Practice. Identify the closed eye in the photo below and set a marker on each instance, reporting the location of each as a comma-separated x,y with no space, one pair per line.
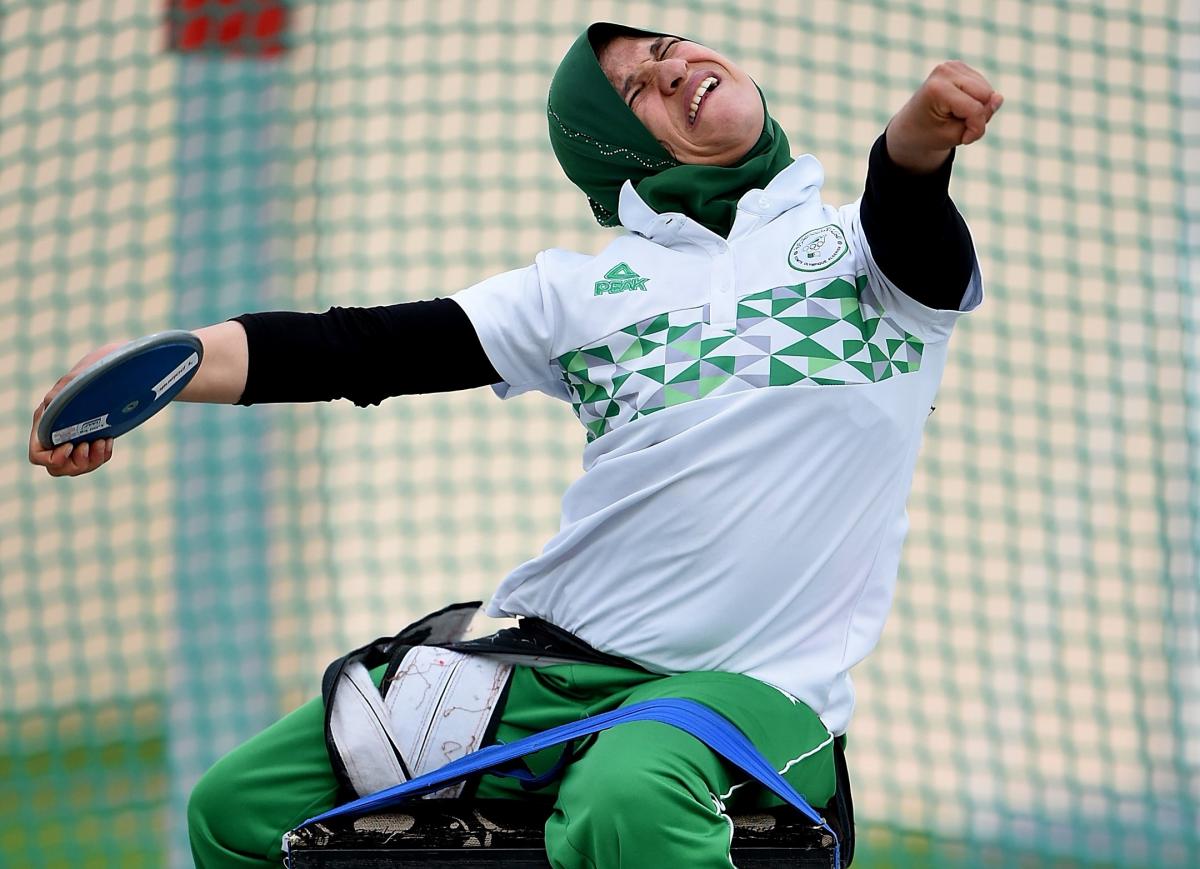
662,55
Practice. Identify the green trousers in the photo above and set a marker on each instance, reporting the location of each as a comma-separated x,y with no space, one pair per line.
642,794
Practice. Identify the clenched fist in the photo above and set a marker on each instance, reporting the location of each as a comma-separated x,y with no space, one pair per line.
953,107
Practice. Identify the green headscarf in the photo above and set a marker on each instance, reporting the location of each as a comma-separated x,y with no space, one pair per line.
600,143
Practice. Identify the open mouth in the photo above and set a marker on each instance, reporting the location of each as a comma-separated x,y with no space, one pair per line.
706,87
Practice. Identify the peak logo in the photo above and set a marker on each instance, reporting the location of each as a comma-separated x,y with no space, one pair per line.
620,279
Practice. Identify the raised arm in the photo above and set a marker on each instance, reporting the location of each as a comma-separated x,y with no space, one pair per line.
917,236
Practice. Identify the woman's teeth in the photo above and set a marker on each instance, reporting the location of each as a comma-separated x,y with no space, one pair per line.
705,85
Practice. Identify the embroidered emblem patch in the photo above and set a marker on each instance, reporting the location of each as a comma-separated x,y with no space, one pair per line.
620,279
818,249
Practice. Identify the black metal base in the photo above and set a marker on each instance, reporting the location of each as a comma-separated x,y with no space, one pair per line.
480,834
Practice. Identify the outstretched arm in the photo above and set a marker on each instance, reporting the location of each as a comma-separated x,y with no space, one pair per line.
365,354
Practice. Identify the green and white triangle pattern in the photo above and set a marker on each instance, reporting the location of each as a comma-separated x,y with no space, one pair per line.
821,333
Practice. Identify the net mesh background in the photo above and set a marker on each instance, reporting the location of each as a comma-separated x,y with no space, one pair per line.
1036,696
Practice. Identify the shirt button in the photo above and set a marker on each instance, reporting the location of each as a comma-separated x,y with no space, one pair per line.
764,202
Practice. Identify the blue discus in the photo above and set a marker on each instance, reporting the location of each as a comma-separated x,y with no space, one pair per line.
122,390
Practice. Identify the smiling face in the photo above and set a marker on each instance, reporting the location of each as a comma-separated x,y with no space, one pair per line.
700,105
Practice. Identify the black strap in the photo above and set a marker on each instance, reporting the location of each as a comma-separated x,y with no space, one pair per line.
532,638
535,638
842,807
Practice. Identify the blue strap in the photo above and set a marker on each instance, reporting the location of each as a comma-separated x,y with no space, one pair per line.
714,730
528,780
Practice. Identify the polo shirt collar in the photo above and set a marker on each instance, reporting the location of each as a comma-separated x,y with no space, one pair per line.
799,182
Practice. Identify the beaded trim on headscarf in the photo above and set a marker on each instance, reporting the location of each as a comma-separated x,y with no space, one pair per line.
648,162
603,215
609,150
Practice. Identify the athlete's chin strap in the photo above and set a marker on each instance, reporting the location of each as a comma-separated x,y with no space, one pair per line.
714,730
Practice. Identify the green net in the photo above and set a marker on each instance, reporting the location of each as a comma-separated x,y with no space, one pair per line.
1036,697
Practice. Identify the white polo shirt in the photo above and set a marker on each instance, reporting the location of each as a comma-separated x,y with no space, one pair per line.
753,407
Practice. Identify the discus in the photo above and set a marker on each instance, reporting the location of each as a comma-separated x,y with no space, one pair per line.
122,390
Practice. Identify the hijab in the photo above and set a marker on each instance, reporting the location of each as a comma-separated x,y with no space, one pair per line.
600,143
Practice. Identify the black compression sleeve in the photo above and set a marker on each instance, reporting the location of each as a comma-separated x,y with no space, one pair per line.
364,354
917,236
